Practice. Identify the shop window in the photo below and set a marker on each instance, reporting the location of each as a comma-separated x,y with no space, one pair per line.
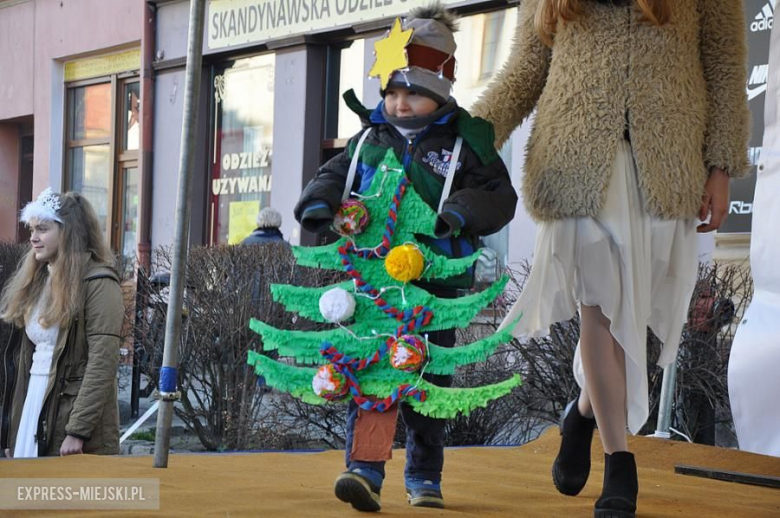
242,138
345,70
25,176
102,137
484,42
351,76
492,36
127,195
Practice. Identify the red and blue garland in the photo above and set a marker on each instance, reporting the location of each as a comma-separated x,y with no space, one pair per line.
411,319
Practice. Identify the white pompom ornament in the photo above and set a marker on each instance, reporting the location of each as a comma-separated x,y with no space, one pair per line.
337,305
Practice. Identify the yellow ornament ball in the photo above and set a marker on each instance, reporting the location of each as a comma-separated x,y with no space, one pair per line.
404,263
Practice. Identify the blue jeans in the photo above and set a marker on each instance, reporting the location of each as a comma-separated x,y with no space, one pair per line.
424,435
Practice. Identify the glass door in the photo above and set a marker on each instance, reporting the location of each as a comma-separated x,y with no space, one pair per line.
242,139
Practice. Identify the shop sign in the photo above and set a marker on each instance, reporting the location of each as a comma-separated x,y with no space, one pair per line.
238,22
246,160
241,184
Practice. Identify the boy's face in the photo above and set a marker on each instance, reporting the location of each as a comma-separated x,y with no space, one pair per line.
403,102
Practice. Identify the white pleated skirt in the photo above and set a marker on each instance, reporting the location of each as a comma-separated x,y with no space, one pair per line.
26,445
640,270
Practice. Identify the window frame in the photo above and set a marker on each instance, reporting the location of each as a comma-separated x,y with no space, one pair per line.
119,158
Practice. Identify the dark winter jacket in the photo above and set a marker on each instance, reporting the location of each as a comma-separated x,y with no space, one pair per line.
261,236
482,199
81,398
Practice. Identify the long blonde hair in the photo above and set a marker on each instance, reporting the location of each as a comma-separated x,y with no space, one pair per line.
550,12
80,234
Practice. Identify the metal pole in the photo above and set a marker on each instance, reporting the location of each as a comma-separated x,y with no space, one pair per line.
665,403
146,155
135,380
168,374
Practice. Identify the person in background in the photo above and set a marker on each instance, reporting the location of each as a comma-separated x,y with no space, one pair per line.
268,222
641,121
61,367
754,364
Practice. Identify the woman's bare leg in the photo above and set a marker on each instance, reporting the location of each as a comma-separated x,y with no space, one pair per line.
583,404
603,361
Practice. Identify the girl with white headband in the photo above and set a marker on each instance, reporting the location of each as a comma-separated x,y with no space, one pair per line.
66,306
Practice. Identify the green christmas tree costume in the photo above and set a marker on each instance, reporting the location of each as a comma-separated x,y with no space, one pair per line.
359,355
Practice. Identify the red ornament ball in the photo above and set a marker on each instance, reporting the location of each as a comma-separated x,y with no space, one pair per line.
329,384
352,218
408,353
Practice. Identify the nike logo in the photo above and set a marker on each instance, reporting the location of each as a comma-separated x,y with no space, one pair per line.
752,93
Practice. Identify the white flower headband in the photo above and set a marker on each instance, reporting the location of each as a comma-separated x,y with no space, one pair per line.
45,207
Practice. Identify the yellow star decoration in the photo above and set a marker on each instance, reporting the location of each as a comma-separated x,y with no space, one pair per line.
391,53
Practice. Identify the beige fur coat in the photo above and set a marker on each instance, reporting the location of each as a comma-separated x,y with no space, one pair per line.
682,87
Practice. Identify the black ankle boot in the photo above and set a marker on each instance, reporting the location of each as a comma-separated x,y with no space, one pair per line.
572,465
618,497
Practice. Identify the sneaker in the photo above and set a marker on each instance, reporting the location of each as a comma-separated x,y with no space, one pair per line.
424,493
356,488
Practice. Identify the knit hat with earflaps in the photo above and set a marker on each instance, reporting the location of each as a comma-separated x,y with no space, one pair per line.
431,53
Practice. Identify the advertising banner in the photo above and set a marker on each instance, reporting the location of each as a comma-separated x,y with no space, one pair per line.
759,20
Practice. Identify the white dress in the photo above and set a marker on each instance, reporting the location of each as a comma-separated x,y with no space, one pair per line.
754,363
640,270
44,338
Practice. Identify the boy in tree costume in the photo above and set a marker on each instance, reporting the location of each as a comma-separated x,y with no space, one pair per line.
409,195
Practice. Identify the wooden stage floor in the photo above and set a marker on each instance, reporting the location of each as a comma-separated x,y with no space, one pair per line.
504,481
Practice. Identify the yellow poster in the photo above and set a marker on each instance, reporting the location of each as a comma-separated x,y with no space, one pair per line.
103,65
243,216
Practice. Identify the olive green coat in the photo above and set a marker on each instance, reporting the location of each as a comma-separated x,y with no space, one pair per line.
81,398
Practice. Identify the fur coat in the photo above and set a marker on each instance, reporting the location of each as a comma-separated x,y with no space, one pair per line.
679,89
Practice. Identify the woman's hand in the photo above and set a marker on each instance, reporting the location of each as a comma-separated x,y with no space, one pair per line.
71,446
7,453
715,202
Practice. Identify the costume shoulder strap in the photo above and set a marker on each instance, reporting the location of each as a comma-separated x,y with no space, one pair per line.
353,164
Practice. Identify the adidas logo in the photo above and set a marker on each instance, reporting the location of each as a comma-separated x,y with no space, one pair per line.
757,82
765,19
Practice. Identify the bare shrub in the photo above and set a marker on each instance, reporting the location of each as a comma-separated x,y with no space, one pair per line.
701,402
11,255
701,397
226,287
223,405
544,365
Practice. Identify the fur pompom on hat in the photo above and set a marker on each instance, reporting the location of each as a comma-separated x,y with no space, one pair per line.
435,11
269,218
431,53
